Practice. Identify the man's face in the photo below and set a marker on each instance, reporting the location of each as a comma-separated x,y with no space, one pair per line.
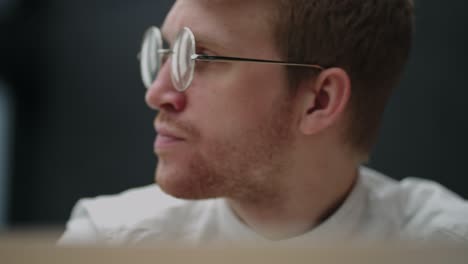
230,133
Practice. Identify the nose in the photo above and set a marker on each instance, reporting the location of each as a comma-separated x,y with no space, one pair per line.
162,95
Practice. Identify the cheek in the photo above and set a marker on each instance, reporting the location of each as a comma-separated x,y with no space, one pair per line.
240,98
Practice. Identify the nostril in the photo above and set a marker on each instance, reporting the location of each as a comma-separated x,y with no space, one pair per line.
173,101
180,102
169,108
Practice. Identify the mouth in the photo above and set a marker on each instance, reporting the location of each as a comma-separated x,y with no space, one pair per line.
166,139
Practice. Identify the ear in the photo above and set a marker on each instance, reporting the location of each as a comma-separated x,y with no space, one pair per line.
325,99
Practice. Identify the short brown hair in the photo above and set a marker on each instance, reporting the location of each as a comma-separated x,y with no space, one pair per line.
369,39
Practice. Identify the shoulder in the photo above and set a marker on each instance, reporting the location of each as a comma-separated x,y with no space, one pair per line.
435,211
126,208
109,218
426,209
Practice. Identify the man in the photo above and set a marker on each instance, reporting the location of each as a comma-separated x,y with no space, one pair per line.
267,109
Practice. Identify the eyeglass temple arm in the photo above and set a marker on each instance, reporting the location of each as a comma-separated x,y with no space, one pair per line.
230,59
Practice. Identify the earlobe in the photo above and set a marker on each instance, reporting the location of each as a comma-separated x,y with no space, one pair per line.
325,100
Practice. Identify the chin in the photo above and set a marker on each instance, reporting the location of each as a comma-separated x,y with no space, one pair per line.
183,183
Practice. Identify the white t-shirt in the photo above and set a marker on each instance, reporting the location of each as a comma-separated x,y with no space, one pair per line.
378,208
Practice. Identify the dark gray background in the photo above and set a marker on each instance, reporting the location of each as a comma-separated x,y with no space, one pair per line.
82,129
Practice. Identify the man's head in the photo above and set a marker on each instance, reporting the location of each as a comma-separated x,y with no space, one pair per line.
242,129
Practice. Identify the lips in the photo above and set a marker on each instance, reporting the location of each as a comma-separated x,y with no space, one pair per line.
166,138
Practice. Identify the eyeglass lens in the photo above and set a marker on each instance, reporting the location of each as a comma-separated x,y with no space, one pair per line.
182,64
150,58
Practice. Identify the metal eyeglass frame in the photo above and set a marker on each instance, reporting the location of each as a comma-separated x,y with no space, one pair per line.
209,58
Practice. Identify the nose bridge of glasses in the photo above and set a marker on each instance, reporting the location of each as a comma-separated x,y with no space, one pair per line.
165,51
163,55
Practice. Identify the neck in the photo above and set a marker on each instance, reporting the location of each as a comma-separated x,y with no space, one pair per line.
306,197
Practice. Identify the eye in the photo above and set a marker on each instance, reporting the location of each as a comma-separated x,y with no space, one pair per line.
203,51
202,65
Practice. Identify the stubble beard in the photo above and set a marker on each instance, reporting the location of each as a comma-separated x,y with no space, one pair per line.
248,168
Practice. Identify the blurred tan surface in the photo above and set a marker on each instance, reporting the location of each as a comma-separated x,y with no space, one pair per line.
40,248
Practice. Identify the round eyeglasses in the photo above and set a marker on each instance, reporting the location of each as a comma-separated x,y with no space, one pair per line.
183,53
